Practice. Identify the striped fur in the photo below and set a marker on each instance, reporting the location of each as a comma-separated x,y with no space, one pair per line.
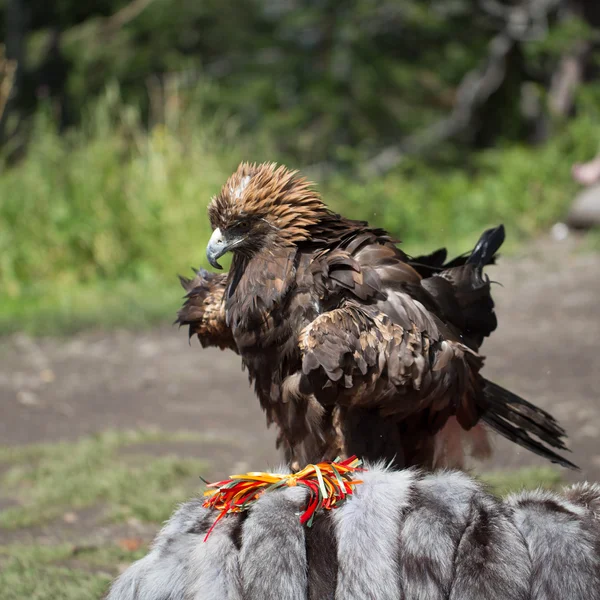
403,535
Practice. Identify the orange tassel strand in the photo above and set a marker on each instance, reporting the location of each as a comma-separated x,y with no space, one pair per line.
328,484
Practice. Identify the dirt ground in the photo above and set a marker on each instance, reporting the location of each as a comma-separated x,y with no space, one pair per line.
544,349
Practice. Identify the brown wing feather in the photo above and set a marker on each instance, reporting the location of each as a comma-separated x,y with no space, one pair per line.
357,356
363,267
383,337
204,310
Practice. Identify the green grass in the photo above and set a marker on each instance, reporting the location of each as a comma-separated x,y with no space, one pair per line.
527,478
48,480
95,224
58,310
39,572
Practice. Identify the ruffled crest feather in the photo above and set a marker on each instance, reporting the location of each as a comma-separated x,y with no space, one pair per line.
277,195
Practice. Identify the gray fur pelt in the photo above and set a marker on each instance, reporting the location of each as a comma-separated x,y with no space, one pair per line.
403,535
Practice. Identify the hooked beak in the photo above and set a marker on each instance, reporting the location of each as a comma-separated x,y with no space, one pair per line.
219,244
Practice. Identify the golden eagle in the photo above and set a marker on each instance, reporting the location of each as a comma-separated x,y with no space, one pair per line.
353,346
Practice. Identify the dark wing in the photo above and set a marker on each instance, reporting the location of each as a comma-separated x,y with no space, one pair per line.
471,287
204,310
356,356
460,289
405,344
363,268
424,365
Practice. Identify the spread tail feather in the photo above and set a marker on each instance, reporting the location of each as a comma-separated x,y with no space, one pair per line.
519,420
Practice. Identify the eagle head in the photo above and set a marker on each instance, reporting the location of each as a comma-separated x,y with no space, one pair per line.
261,206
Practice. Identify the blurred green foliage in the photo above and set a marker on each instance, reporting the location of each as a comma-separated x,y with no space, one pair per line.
111,206
325,80
103,187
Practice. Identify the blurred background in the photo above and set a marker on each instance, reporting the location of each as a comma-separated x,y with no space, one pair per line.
120,119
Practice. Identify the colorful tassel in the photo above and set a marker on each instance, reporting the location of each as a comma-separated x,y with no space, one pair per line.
328,484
